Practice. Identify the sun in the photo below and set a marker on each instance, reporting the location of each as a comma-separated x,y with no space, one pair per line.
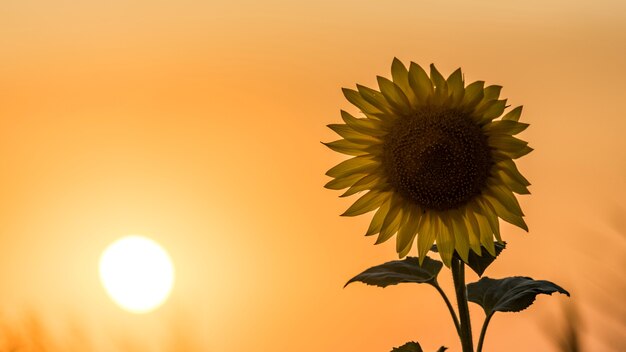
137,273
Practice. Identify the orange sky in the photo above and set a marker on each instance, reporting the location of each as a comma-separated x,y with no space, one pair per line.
198,124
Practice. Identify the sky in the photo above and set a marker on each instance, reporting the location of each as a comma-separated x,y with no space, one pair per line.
198,124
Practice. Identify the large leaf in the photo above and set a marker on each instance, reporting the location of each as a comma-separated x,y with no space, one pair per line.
408,347
400,271
414,347
479,263
511,294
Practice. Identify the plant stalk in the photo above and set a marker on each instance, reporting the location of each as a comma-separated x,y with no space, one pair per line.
458,276
450,308
483,332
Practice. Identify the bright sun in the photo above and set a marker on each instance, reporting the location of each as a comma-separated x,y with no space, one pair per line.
137,273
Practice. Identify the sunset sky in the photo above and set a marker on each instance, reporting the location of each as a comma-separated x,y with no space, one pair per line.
198,124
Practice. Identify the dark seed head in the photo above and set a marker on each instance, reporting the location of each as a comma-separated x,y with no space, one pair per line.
438,158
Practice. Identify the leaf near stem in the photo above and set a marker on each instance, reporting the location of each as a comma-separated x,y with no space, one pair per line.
511,294
395,272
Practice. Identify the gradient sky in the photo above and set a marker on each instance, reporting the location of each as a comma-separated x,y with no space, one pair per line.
197,123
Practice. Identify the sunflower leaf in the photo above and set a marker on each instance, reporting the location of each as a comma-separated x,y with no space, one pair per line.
511,294
414,347
396,272
476,262
408,347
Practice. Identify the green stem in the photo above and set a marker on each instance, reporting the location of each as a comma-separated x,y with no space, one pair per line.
483,331
452,312
458,275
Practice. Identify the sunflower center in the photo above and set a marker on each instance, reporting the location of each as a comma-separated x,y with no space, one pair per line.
438,158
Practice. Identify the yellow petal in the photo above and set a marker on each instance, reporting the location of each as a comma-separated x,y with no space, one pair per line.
371,127
441,86
514,114
350,134
505,143
420,83
507,127
461,235
377,99
407,232
394,95
368,202
359,164
473,229
456,87
343,182
392,222
510,168
407,249
445,242
373,182
400,76
492,92
427,233
502,177
379,217
346,147
473,95
486,236
357,100
490,214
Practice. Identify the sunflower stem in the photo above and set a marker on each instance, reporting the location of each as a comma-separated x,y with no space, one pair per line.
455,319
458,276
483,331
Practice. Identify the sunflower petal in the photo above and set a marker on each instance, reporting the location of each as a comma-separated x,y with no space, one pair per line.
445,241
491,216
355,98
461,236
502,177
514,114
394,95
505,198
368,202
400,76
364,126
346,147
372,181
505,214
359,164
506,127
406,234
473,95
473,230
377,99
509,167
486,236
343,182
392,222
403,253
455,86
441,86
492,92
379,217
420,83
494,110
427,235
350,134
506,143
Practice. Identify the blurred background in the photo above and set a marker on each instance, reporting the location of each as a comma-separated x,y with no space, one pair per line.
198,124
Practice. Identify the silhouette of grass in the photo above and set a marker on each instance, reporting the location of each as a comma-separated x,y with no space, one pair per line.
30,334
607,287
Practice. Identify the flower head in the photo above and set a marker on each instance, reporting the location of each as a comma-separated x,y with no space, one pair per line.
436,159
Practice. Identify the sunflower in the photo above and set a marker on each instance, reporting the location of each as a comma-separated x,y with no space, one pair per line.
435,158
